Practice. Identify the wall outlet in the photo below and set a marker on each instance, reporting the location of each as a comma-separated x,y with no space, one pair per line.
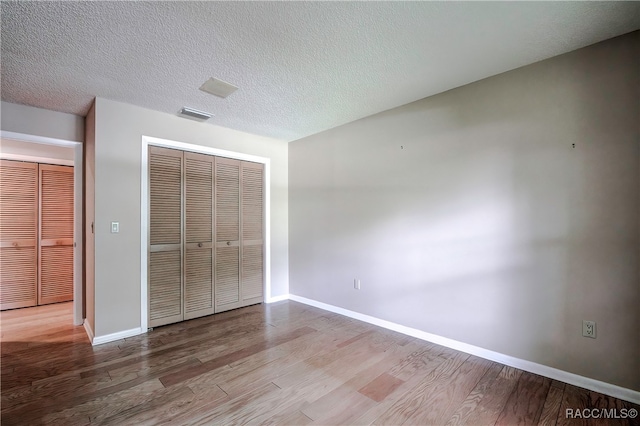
356,284
589,329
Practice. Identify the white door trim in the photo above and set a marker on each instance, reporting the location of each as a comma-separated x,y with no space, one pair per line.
144,211
77,209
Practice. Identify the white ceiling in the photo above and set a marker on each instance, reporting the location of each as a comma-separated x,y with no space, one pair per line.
302,67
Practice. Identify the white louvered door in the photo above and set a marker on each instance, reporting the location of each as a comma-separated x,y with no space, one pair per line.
227,228
165,236
55,259
252,193
18,234
199,187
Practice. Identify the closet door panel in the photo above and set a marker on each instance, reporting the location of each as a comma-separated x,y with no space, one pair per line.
199,187
252,202
227,278
18,234
165,292
252,273
198,283
18,277
227,200
227,229
55,282
252,190
165,236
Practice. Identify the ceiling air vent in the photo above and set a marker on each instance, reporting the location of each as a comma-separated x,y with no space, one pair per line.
219,88
194,114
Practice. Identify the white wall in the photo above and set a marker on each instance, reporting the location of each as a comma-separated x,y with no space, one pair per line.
41,122
470,215
118,132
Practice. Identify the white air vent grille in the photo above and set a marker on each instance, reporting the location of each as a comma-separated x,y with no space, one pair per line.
219,88
195,114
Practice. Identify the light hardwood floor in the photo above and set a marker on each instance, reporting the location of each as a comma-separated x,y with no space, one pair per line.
284,364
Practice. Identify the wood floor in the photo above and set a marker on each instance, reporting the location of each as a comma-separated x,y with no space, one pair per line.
281,364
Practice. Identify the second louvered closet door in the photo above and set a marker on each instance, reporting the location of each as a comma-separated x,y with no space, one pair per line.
198,291
55,282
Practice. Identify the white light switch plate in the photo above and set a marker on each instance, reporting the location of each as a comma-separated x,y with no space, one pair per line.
115,227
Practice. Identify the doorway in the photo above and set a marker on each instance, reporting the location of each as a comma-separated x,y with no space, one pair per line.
38,149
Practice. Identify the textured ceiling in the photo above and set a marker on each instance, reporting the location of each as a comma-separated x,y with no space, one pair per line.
302,67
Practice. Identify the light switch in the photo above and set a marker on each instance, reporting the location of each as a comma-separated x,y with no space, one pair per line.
115,227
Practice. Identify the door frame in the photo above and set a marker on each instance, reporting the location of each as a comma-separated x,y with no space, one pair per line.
144,211
78,184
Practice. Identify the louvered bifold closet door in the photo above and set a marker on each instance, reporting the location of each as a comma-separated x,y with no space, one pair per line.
165,236
18,234
227,230
252,272
198,286
55,273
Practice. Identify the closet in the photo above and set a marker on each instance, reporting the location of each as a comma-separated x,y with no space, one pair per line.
36,234
206,244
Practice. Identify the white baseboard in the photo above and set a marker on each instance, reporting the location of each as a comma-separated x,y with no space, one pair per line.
532,367
89,330
99,340
277,298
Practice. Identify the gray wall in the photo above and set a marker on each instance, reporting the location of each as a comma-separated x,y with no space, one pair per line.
41,122
118,132
470,215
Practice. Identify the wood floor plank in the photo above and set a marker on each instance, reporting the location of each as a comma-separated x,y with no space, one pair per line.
151,411
573,398
185,374
486,401
340,406
405,407
206,398
440,400
526,401
39,408
99,408
380,387
230,412
294,417
413,373
552,403
244,375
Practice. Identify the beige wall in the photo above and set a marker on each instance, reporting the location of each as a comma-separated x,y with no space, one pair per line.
470,215
118,131
41,122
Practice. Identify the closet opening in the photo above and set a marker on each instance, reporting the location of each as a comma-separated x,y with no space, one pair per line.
205,231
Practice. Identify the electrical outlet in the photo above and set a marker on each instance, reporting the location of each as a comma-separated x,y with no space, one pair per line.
589,329
356,284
